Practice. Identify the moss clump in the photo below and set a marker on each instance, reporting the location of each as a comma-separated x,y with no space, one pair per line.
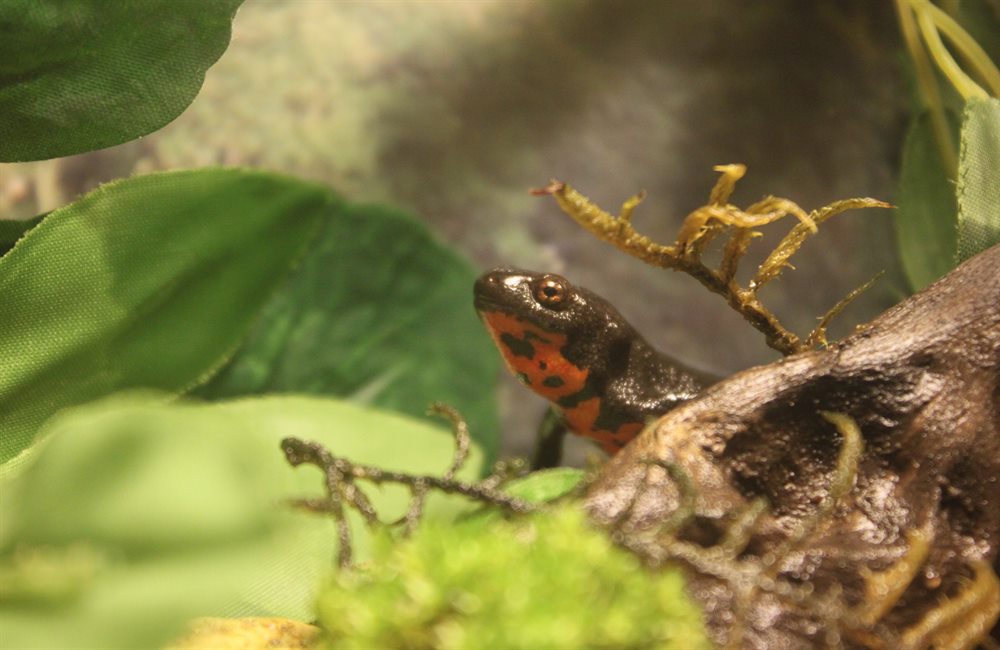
545,581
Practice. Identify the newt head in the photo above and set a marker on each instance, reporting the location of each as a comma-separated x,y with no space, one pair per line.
573,348
548,302
551,333
539,317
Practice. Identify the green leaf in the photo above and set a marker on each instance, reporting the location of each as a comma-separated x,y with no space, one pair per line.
378,311
135,515
925,219
543,486
978,191
78,75
548,581
546,485
147,282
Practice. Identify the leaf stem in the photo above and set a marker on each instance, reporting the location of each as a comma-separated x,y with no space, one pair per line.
973,53
928,85
932,38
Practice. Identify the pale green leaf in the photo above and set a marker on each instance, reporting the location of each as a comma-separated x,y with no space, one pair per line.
546,485
135,515
978,189
925,219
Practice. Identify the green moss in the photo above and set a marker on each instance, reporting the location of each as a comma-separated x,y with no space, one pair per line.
549,581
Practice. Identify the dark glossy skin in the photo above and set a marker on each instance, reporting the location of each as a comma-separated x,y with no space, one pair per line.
574,349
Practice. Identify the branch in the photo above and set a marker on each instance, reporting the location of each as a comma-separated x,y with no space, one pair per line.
703,225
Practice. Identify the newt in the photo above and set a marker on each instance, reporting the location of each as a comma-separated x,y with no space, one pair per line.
572,347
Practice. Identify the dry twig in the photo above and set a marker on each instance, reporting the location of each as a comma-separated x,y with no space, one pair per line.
341,474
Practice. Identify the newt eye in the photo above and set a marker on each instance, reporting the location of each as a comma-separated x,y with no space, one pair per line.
551,292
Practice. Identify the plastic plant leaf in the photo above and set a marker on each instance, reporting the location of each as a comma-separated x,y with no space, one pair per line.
78,75
925,219
147,282
546,485
135,515
380,312
978,191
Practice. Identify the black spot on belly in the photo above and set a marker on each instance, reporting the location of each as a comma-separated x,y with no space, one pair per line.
524,379
582,395
553,382
611,419
518,347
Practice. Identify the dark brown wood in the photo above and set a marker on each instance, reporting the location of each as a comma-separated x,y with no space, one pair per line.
922,381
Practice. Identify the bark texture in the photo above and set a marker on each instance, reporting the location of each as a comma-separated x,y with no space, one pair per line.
922,381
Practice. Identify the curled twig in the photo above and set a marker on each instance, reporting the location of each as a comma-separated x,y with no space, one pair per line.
302,451
462,439
420,487
340,475
504,471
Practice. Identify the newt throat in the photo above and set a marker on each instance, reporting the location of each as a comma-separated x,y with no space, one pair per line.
537,359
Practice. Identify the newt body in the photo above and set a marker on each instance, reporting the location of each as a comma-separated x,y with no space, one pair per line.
573,348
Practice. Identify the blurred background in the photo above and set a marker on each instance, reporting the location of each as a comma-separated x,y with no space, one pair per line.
453,110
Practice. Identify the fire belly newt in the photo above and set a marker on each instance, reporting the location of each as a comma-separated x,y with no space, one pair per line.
573,348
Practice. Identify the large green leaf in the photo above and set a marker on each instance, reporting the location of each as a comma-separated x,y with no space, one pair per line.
135,515
11,230
147,282
378,311
978,191
77,75
925,219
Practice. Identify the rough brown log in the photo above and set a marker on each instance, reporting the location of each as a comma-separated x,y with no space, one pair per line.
922,381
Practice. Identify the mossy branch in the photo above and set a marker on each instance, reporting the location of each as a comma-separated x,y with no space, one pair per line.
708,222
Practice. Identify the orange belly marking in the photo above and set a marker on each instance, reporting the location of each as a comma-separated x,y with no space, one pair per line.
546,371
535,356
582,418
